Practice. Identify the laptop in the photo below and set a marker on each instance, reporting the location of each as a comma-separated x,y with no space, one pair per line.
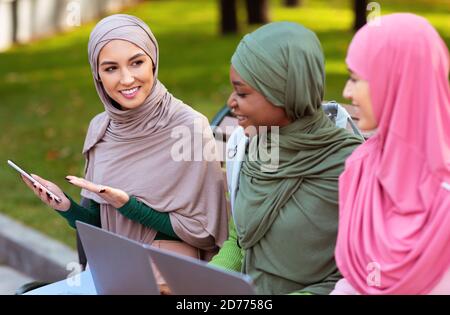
188,276
118,265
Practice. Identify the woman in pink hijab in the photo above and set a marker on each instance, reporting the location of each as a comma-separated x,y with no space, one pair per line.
394,222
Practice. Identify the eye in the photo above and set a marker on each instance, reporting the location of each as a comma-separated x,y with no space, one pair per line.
352,79
242,95
110,69
137,63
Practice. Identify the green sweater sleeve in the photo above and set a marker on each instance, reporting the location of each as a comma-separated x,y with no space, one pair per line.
230,255
76,212
140,212
133,210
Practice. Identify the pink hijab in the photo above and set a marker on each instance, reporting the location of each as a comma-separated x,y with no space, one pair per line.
394,221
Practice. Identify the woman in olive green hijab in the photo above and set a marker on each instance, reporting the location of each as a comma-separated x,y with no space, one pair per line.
285,211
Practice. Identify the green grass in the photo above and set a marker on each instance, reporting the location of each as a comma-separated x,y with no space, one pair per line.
47,97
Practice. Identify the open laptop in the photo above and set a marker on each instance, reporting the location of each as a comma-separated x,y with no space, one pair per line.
118,265
186,276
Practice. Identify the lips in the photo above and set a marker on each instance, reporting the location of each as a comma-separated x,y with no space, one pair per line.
242,120
130,93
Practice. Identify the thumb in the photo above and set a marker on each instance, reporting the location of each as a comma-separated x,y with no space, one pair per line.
42,181
39,179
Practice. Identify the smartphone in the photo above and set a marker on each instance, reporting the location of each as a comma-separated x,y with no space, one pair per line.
21,171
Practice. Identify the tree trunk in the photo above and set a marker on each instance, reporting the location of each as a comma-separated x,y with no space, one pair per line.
360,13
257,11
15,21
292,3
228,17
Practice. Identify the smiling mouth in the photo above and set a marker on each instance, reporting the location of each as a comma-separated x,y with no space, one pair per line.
130,93
240,118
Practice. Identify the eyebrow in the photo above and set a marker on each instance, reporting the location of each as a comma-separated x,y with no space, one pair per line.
113,63
239,83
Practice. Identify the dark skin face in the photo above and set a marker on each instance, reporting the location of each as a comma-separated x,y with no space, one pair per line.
251,107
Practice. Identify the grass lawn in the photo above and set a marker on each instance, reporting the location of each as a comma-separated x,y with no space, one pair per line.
47,96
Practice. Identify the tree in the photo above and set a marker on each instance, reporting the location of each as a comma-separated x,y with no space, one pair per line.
228,17
292,3
14,21
359,7
257,11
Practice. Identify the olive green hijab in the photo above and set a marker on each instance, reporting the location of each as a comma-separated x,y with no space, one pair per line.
286,220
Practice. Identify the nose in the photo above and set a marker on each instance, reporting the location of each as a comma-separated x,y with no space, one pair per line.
231,102
126,77
348,90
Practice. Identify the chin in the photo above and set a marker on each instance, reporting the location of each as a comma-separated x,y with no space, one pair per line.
131,105
364,126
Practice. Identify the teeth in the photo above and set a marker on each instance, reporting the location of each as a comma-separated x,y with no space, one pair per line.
131,91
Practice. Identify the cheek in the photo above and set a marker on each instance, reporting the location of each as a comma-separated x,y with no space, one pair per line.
356,93
147,87
361,91
108,82
246,108
146,74
367,116
363,98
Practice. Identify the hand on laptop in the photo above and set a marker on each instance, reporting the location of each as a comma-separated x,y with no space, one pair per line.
64,205
115,197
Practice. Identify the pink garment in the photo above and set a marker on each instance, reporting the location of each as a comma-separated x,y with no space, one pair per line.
443,287
342,287
394,195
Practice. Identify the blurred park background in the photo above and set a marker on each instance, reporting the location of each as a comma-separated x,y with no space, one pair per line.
47,96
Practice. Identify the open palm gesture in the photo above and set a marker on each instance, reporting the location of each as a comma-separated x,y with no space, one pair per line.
115,197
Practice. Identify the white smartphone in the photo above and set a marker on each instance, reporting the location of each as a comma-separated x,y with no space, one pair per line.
21,171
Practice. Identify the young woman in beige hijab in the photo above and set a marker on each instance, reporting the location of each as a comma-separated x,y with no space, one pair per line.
134,184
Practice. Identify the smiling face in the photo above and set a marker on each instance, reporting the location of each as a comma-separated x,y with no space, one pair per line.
357,90
251,108
126,73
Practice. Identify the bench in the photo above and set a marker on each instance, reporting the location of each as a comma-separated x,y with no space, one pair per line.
224,123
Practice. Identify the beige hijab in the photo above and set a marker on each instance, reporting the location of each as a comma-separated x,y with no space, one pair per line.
131,150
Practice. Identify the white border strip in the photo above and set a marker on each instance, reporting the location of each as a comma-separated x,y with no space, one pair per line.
446,185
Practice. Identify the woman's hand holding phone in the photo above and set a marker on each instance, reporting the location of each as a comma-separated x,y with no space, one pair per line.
38,190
